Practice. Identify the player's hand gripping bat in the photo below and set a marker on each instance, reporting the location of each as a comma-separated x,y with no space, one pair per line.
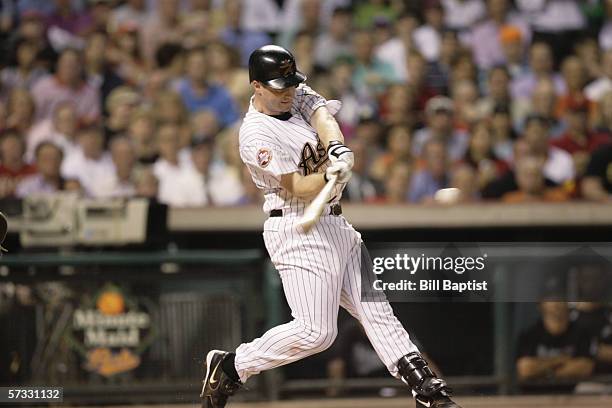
314,210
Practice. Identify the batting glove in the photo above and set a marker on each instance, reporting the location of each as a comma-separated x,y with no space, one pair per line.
338,152
340,169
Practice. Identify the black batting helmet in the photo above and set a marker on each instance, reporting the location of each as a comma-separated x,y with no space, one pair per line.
275,67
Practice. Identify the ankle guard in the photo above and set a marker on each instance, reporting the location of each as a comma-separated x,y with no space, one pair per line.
418,376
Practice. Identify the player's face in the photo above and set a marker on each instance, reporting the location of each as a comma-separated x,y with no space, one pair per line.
275,101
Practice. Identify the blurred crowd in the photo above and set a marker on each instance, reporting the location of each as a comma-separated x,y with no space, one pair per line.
505,100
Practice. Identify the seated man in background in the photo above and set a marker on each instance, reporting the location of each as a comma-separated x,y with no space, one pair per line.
48,178
531,184
592,313
555,348
597,182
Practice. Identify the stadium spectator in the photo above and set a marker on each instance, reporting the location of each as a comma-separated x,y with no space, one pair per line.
23,70
99,73
170,61
597,182
67,85
554,348
69,18
602,85
180,184
574,78
481,157
197,93
123,157
162,26
416,67
605,35
20,112
427,37
225,70
558,23
245,41
578,140
531,184
124,54
141,132
336,41
485,37
540,68
91,165
269,16
543,103
502,132
308,24
120,104
439,71
513,46
559,166
397,183
366,13
147,185
361,187
132,13
48,178
168,107
434,175
370,76
397,106
204,126
222,174
13,168
464,178
461,15
465,103
440,113
497,92
603,121
398,150
60,130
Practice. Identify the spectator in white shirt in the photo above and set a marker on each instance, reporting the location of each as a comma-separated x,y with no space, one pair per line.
598,88
605,34
60,130
90,164
124,159
395,51
485,37
558,22
180,185
427,38
461,15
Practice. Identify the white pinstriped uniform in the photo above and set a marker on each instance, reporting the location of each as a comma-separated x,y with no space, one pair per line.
320,271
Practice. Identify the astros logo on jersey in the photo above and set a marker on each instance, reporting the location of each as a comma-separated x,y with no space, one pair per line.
264,157
312,158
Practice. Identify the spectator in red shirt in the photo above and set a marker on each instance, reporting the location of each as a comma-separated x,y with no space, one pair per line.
578,140
12,167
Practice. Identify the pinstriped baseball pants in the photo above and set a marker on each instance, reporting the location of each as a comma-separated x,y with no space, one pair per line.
320,272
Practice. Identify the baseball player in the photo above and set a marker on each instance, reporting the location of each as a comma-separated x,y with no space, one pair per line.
291,144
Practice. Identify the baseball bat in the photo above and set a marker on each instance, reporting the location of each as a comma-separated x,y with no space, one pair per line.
314,210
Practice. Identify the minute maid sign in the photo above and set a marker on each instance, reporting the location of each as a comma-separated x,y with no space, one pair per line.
111,331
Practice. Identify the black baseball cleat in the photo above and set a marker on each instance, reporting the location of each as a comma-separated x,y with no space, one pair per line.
218,386
428,390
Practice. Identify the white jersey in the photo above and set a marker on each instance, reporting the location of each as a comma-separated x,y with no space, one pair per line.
271,147
320,271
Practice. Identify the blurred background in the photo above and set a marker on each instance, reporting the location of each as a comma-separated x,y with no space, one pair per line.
135,230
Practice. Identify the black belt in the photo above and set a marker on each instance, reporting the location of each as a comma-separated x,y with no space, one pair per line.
335,209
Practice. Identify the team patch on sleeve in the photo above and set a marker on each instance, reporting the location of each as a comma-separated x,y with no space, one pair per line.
264,157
